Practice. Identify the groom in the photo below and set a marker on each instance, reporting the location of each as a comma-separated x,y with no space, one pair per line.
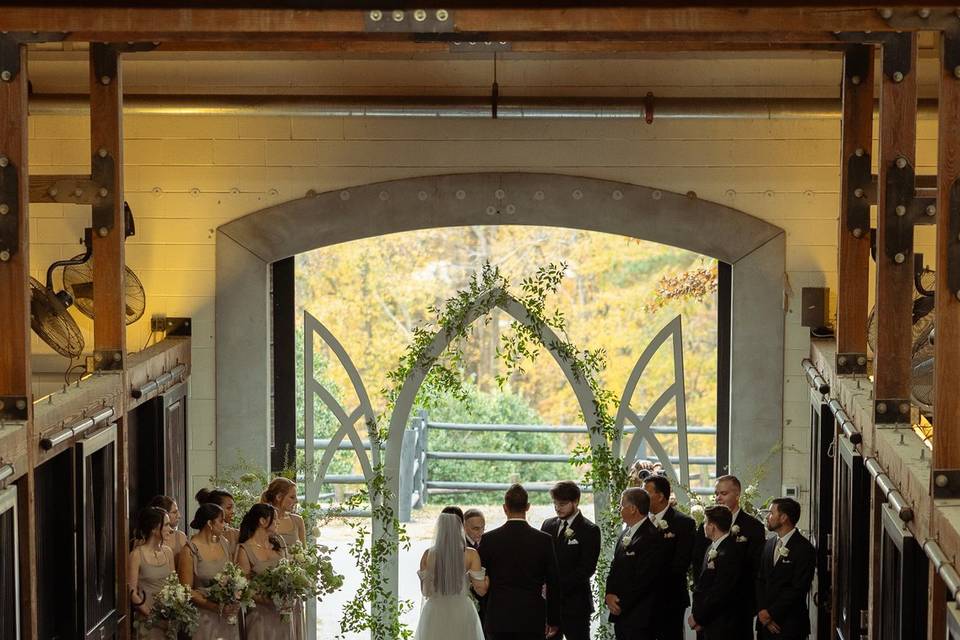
520,560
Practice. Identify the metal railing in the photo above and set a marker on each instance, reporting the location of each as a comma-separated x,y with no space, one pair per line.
416,485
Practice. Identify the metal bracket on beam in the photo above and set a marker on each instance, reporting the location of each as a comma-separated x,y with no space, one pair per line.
68,189
904,210
105,55
897,49
890,411
924,19
108,360
13,408
103,174
851,364
953,248
10,49
858,186
9,209
946,483
409,21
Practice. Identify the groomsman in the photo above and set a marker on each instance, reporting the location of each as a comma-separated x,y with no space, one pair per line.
639,560
786,571
678,531
747,531
520,562
577,543
716,599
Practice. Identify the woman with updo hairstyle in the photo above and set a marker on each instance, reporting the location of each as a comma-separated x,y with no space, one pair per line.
149,564
261,548
201,559
224,500
281,493
168,504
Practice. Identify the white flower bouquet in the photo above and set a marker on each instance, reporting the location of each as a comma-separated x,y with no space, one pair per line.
230,588
315,562
173,610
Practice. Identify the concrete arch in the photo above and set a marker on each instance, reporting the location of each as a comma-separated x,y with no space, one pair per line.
247,246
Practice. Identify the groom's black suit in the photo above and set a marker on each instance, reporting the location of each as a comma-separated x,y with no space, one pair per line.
577,553
635,574
520,560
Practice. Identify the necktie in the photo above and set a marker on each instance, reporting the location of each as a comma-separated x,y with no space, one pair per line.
777,550
563,530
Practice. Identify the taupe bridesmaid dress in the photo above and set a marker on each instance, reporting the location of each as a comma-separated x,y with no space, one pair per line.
264,622
150,581
212,625
291,538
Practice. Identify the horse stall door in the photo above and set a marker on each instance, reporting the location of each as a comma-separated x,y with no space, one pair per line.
145,453
903,581
822,436
9,571
96,534
56,549
175,445
852,546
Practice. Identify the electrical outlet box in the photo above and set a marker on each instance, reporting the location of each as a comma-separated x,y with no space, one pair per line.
158,323
791,491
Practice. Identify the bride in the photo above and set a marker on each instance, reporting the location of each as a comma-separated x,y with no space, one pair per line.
447,571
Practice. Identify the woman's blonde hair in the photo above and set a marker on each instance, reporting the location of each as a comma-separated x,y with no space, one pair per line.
277,487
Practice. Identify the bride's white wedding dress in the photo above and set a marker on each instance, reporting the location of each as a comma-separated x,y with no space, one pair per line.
448,617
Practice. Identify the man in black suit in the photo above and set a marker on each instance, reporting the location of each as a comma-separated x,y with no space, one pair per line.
786,572
748,532
678,531
577,544
520,561
639,562
716,599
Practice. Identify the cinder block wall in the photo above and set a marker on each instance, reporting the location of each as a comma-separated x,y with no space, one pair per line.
185,175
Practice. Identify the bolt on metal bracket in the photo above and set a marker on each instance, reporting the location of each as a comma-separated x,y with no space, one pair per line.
859,180
103,172
10,49
9,208
108,360
946,484
411,21
903,210
897,49
891,411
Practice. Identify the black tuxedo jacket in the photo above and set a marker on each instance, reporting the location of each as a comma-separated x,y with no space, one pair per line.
716,598
635,573
577,554
678,544
782,588
520,560
752,535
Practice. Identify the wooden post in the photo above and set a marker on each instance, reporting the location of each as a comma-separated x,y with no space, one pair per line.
109,327
898,133
15,301
946,436
854,238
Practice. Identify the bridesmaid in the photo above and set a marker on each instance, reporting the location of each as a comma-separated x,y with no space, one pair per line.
149,564
224,500
203,557
169,505
282,494
260,549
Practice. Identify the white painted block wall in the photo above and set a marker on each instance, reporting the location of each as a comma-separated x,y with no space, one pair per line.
187,175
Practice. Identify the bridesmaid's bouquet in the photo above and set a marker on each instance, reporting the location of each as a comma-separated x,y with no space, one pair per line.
173,610
231,588
283,584
315,562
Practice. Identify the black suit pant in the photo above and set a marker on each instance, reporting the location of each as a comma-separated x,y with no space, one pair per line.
670,624
576,627
633,633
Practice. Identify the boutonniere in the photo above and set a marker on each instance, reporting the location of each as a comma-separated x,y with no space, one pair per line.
735,530
784,552
662,524
741,538
568,533
626,541
711,556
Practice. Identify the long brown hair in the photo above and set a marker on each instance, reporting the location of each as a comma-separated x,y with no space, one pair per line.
277,487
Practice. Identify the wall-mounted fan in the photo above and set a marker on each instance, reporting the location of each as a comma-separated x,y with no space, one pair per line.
921,380
78,281
924,281
49,317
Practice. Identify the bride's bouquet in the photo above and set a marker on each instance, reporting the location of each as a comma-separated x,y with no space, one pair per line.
231,588
173,610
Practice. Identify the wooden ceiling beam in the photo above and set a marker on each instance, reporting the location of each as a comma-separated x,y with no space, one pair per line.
576,23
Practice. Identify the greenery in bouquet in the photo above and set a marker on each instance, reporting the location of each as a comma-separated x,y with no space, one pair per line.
283,584
315,562
231,588
173,610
